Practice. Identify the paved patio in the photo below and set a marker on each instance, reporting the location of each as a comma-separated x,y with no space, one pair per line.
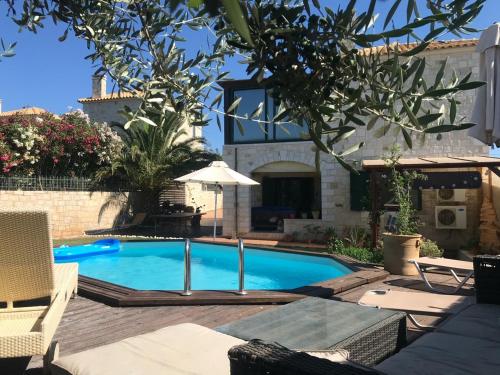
87,324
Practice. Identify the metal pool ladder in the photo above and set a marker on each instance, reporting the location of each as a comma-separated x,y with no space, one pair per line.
187,268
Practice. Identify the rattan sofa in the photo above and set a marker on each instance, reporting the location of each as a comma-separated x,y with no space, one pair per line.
467,343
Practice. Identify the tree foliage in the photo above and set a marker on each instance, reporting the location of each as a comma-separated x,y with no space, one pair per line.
327,71
322,62
401,184
153,156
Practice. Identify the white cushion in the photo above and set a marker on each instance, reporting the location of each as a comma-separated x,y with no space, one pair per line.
334,355
440,353
337,355
175,350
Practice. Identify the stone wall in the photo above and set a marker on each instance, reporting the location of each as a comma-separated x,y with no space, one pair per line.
108,110
72,213
335,180
495,183
297,229
198,195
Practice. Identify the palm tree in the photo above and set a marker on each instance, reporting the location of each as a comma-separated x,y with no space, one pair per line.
153,156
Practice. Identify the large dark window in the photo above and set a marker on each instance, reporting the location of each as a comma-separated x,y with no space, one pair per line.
291,192
251,131
360,193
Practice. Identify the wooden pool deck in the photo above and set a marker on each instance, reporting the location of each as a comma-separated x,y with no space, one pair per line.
87,324
120,296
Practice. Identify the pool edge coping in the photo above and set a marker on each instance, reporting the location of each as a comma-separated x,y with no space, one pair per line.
120,296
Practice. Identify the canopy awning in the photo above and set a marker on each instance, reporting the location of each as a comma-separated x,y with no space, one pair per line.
435,162
444,180
486,112
217,173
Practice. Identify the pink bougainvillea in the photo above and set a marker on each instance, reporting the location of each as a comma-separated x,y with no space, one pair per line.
70,145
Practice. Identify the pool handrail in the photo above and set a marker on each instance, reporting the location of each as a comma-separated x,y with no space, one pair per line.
187,268
241,268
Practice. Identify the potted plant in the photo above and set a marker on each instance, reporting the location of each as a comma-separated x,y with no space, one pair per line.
403,243
315,212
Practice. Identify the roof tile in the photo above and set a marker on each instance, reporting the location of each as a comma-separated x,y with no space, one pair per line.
112,96
437,45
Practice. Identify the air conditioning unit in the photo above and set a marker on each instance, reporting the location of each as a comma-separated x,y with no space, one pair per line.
451,217
450,195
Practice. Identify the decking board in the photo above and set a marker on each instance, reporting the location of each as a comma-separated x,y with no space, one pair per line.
87,324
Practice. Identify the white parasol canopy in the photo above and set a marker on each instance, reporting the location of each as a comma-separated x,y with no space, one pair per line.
217,173
486,113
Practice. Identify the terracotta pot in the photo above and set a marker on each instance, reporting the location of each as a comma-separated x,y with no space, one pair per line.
398,249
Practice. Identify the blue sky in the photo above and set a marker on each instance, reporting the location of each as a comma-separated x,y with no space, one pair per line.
53,75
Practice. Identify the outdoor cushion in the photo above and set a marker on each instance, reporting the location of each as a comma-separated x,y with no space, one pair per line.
481,321
337,355
180,349
441,353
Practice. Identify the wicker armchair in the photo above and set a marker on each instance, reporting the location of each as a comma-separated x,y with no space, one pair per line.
261,358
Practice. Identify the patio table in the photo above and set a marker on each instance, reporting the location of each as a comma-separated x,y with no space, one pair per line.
369,334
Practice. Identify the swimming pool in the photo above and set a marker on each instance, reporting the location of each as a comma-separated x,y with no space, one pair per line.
160,266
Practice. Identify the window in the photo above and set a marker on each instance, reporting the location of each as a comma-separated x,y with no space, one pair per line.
250,131
360,193
291,192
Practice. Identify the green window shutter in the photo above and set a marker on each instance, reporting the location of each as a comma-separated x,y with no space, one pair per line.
360,191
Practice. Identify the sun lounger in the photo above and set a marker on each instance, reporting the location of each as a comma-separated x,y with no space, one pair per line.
416,303
33,289
451,265
175,350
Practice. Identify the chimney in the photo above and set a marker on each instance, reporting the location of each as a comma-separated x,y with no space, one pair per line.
98,86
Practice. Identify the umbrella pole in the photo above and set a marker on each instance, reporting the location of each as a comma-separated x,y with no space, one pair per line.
215,212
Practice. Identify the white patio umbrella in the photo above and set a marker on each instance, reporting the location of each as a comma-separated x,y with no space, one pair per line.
217,173
486,113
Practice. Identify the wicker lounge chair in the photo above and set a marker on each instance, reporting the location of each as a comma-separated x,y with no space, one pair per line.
419,303
258,357
136,222
451,265
34,291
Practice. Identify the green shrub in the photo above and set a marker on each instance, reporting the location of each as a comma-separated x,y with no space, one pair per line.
356,236
429,248
47,145
362,254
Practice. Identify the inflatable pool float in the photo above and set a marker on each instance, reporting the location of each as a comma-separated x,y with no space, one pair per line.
107,246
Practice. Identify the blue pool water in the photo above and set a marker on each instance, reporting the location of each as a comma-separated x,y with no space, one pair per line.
160,266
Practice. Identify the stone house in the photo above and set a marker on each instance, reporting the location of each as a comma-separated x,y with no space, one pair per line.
102,106
294,197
